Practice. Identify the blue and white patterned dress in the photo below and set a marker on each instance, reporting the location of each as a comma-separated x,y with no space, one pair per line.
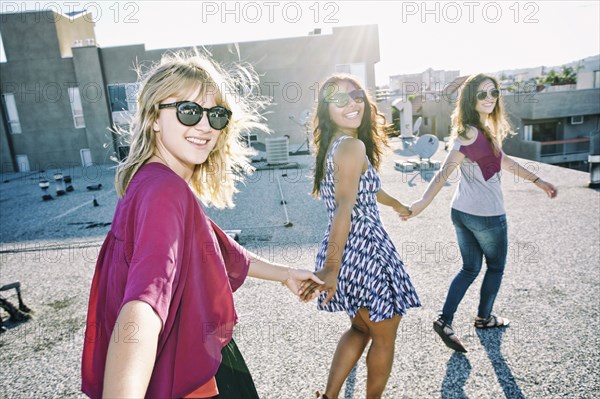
372,274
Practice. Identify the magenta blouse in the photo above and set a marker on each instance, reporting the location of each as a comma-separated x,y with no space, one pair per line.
162,249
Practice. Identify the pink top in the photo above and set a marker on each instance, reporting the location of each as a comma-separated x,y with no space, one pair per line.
162,249
481,151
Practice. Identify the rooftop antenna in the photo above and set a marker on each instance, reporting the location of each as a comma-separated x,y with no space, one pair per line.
304,121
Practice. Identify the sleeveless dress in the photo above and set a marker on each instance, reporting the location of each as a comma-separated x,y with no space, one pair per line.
372,274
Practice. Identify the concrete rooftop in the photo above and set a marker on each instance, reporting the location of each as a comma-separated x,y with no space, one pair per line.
550,290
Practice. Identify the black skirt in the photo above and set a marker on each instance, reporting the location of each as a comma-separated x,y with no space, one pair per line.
233,377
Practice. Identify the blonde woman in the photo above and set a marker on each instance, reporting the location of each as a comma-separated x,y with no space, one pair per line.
478,215
161,308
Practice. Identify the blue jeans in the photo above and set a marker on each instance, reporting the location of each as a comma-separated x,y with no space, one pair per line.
478,236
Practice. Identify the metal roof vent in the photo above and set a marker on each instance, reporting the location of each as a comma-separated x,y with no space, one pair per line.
277,150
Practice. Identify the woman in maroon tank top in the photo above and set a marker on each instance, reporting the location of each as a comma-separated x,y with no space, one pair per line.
478,215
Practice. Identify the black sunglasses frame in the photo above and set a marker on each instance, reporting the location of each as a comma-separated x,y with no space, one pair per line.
482,95
341,103
199,114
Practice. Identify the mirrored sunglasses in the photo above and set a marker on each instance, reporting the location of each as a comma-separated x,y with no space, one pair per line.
342,99
482,95
190,113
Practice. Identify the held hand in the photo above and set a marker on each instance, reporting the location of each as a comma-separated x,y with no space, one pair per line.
299,277
310,288
548,188
416,208
402,210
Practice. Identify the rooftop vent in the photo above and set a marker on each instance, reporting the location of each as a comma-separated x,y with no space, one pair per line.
277,150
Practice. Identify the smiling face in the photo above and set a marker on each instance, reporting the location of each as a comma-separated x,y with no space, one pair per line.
348,118
487,104
183,147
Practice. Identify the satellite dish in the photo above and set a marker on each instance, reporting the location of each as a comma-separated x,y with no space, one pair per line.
304,116
417,124
425,146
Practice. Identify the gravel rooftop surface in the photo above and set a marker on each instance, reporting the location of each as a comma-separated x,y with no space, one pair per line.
550,290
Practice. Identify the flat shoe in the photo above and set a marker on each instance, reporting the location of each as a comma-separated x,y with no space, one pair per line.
446,337
491,322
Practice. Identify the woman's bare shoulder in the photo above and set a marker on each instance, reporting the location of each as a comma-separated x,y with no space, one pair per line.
468,137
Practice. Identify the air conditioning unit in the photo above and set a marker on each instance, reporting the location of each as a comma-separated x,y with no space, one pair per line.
404,166
277,150
577,120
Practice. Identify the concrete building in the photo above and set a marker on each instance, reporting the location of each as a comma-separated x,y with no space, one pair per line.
425,92
435,107
62,93
556,125
429,80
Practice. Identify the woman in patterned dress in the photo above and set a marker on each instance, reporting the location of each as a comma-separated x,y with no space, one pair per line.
478,212
362,270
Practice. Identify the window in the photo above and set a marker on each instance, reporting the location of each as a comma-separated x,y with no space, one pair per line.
2,52
577,120
358,70
545,131
22,163
11,112
76,107
123,102
123,97
527,132
596,79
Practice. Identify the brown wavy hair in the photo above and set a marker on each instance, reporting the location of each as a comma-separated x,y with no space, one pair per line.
372,129
466,115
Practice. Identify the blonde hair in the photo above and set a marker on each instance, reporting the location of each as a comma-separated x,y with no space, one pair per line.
466,115
175,76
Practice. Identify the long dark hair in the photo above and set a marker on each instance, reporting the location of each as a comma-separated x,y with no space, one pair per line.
466,115
371,130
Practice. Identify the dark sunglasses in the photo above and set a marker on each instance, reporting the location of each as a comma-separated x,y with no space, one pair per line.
190,113
342,99
482,95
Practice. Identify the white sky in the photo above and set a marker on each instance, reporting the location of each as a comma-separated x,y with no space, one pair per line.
469,36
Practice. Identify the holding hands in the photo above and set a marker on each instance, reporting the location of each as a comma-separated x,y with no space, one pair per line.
402,210
419,206
310,289
293,279
300,278
416,208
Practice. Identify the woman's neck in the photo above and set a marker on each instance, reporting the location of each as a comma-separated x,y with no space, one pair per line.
345,132
484,118
174,165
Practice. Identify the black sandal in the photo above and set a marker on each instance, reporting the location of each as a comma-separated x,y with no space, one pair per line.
320,395
491,322
446,337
